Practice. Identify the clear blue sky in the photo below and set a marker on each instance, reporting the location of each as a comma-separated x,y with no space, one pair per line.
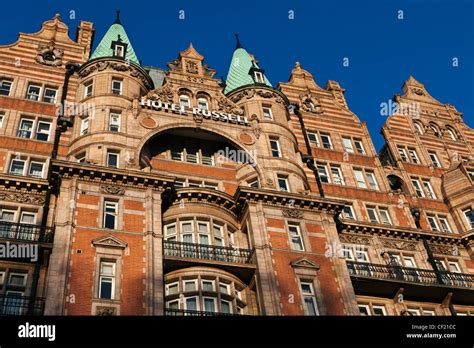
382,50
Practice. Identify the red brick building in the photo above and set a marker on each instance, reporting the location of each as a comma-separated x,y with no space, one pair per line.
133,190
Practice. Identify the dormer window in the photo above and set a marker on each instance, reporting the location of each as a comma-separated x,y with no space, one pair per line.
119,51
119,48
258,76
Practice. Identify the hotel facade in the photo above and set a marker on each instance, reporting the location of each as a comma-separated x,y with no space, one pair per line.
131,190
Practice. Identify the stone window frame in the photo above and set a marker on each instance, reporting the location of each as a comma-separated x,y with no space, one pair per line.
303,235
120,211
27,159
307,271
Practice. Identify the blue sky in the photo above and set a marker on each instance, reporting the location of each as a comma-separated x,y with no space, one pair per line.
382,49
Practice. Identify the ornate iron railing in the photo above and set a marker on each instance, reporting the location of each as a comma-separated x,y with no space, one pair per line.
184,312
26,232
207,252
15,304
414,275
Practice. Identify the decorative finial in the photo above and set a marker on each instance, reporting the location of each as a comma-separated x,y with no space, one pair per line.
117,19
298,65
237,41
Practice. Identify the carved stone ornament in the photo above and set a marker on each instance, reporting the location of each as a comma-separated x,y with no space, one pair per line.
310,104
400,245
247,94
21,198
109,241
191,67
255,127
292,213
113,190
228,106
418,91
49,55
305,263
164,94
105,311
444,249
269,94
102,65
354,239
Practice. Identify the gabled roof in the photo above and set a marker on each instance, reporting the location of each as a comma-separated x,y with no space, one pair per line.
240,66
115,32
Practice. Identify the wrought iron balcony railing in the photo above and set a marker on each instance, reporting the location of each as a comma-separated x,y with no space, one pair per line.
15,304
184,312
207,252
25,232
413,275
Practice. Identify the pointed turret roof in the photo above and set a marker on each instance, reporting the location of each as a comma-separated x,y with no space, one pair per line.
239,69
116,32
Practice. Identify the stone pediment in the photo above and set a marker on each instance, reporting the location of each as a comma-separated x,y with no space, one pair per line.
304,263
109,241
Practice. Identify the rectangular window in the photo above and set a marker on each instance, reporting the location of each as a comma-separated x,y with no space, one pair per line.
469,215
88,88
208,285
1,120
117,86
443,221
337,177
224,288
36,169
110,215
192,155
190,285
267,113
348,212
283,183
34,92
107,280
26,128
172,288
112,159
275,146
413,156
5,87
207,158
359,176
17,167
43,131
433,223
364,309
323,173
17,279
372,213
177,154
84,125
209,304
114,122
359,146
326,141
347,142
403,154
428,189
313,139
119,51
371,180
434,159
309,298
50,95
385,216
295,238
417,187
379,310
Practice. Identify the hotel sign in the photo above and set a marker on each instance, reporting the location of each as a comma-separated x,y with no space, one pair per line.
195,112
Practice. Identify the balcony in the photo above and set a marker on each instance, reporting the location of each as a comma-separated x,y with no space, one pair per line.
182,312
13,304
26,232
240,262
386,280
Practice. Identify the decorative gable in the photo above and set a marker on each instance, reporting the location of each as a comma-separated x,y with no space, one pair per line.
109,241
305,263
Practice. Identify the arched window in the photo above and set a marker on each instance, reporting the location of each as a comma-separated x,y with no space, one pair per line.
203,104
451,134
184,101
434,129
418,128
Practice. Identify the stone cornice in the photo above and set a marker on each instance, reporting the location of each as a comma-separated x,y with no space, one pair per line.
205,196
287,199
116,176
23,183
398,232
